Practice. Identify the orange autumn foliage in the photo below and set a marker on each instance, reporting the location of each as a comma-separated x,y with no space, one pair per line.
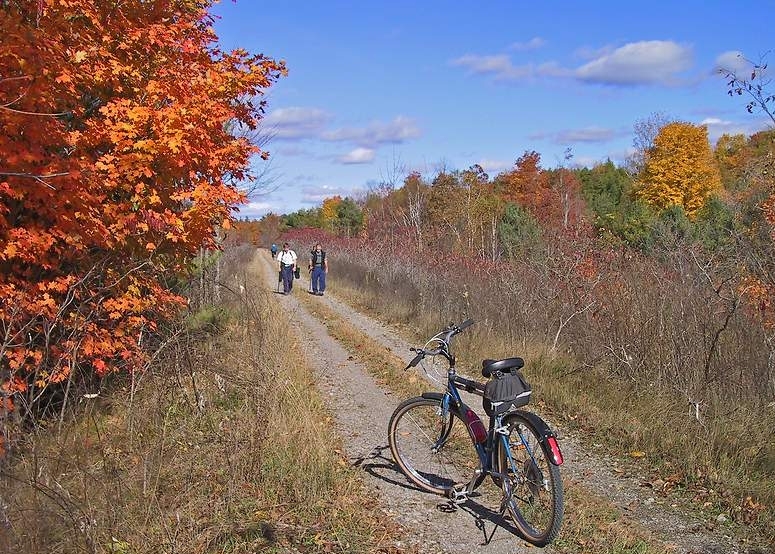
527,185
119,158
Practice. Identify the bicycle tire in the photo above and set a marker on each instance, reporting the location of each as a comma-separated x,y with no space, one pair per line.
435,453
533,487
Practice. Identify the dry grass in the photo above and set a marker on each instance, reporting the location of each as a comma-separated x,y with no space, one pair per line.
222,446
723,461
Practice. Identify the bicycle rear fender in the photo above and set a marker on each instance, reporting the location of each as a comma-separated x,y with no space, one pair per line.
546,436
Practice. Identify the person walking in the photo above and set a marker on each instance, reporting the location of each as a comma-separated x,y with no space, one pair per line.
287,262
273,250
318,265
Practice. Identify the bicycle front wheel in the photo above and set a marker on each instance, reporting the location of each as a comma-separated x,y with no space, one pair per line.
430,445
532,486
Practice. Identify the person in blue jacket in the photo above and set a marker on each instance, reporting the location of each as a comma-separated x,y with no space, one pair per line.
318,265
273,250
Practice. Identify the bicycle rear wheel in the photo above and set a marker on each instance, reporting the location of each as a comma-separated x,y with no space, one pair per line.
432,448
532,488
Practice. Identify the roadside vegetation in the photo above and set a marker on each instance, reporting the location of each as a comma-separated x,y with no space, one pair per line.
720,463
220,446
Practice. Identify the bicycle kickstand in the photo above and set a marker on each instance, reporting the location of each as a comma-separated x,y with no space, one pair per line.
504,507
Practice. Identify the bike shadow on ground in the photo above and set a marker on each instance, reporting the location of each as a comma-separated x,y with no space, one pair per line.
383,467
482,515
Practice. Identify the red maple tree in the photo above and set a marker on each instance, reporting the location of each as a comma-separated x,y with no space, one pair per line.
122,149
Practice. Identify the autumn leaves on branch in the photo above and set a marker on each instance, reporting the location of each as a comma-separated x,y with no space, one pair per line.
122,146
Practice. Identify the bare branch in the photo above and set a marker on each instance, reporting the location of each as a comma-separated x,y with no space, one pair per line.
38,178
22,112
755,86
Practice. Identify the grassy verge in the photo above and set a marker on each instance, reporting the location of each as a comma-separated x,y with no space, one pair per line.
656,376
222,446
592,524
717,465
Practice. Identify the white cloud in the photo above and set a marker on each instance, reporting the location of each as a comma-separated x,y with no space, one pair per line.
587,134
254,210
616,156
714,121
316,195
499,66
493,167
584,161
532,44
639,63
296,123
717,127
553,69
358,156
734,62
397,131
589,53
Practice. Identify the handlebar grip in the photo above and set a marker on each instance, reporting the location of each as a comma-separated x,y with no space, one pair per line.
416,360
466,323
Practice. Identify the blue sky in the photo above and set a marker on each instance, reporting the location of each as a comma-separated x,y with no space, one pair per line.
377,89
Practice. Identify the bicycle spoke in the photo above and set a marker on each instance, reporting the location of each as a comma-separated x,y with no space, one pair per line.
532,490
431,449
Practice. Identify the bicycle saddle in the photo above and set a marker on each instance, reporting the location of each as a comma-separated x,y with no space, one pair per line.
504,366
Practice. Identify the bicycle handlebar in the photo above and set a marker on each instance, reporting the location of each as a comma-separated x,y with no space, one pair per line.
416,360
448,333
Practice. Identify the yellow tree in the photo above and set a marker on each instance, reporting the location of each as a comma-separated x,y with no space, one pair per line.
731,156
680,169
328,213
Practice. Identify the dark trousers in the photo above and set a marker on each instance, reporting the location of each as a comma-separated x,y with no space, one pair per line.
287,272
318,279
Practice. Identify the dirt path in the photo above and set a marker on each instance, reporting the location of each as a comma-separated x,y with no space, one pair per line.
362,410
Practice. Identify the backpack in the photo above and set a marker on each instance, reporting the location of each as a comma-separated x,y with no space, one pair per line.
507,388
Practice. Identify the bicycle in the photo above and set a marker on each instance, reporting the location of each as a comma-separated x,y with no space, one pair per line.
429,437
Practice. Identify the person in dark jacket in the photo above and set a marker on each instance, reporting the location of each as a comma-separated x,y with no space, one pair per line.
318,266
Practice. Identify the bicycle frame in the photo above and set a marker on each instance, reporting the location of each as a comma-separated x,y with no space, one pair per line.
485,450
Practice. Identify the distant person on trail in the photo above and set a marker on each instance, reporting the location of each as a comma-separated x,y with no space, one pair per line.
287,260
318,265
273,250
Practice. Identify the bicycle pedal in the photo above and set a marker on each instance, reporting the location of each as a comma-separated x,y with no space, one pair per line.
458,496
